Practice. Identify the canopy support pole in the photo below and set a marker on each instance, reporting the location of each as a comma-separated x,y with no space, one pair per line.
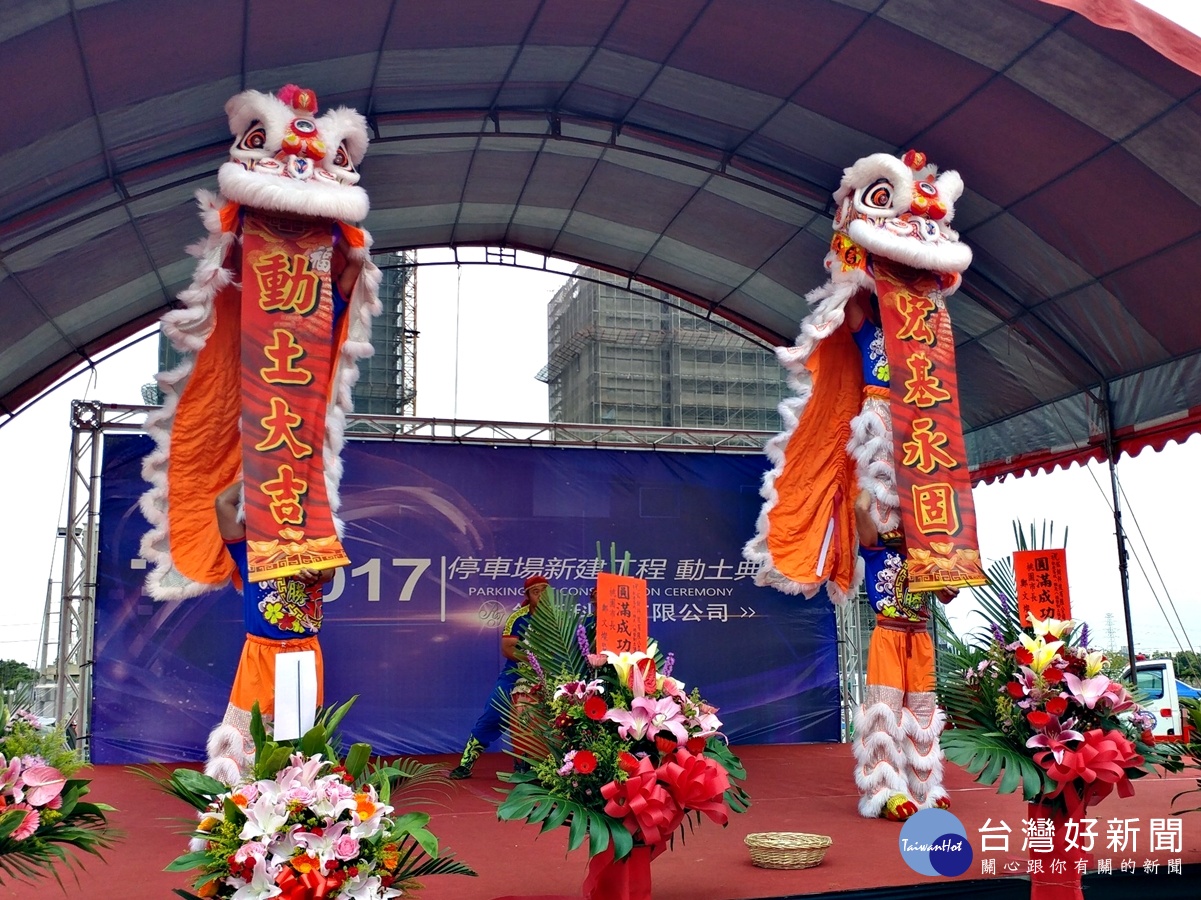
1111,456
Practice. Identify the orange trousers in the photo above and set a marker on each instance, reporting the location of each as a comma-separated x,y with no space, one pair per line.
255,679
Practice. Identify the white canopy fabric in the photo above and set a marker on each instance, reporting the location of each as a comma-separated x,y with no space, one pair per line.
693,144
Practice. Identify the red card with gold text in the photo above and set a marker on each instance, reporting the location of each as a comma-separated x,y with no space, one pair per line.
1042,580
620,613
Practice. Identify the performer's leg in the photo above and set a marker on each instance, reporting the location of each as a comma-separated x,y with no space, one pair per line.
878,739
922,722
871,446
487,728
230,746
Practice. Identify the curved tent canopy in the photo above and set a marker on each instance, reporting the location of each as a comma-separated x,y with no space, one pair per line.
693,144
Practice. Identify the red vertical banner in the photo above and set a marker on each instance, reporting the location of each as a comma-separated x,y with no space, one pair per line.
620,613
287,364
1042,580
933,484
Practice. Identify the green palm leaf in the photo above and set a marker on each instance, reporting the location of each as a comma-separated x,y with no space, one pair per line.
991,757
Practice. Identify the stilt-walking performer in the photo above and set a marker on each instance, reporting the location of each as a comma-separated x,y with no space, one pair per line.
278,314
872,463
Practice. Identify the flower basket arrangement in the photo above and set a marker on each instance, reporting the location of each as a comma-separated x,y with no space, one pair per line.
307,825
43,815
1030,705
620,752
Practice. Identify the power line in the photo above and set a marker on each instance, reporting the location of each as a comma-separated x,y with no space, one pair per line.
1135,555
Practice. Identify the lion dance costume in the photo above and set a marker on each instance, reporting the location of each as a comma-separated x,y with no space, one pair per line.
277,315
876,413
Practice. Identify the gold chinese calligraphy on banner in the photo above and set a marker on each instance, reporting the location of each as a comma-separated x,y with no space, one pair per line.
287,366
935,490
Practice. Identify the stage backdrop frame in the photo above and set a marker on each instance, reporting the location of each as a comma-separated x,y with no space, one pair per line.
440,536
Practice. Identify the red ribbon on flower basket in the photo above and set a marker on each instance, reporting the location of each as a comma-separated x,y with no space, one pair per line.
1091,771
655,813
311,885
621,879
697,782
1058,878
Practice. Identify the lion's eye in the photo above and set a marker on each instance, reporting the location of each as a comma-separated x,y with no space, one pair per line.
878,194
255,137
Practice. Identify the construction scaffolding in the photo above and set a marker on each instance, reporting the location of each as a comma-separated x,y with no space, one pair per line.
387,382
623,357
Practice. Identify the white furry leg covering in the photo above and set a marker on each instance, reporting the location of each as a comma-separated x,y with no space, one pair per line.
879,751
230,756
230,747
922,722
870,446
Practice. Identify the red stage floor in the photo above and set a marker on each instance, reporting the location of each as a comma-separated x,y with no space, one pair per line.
794,788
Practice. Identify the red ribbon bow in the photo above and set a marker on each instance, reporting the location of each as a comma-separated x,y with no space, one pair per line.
697,782
1089,773
640,798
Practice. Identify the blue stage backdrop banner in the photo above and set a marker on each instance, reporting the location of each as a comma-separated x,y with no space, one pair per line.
441,537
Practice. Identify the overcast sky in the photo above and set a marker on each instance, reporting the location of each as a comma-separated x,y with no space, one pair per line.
496,317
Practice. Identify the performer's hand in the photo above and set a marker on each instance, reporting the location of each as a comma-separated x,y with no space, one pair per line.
947,594
309,577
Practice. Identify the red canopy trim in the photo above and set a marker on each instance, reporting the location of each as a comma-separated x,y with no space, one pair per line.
1131,441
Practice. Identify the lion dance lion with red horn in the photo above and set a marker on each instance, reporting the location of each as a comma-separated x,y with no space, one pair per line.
869,479
277,315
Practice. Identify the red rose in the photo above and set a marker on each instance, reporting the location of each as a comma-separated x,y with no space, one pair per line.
595,708
584,762
1016,690
1023,656
696,744
1052,676
1057,706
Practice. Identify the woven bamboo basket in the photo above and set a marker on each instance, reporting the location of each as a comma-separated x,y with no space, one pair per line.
787,849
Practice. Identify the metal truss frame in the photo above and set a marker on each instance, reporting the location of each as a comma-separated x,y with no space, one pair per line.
91,420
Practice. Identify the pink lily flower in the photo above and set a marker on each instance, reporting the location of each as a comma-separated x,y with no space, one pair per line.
632,724
1054,735
10,778
1088,690
666,715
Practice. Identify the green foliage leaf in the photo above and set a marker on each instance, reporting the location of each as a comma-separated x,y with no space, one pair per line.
357,759
598,828
258,732
313,741
188,861
622,840
988,755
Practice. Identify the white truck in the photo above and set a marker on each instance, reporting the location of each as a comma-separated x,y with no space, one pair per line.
1162,693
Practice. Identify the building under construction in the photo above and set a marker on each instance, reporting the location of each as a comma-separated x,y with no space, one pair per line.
619,356
388,380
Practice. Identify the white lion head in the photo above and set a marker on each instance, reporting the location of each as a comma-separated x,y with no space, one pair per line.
286,158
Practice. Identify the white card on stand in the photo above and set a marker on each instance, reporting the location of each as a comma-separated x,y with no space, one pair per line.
295,694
